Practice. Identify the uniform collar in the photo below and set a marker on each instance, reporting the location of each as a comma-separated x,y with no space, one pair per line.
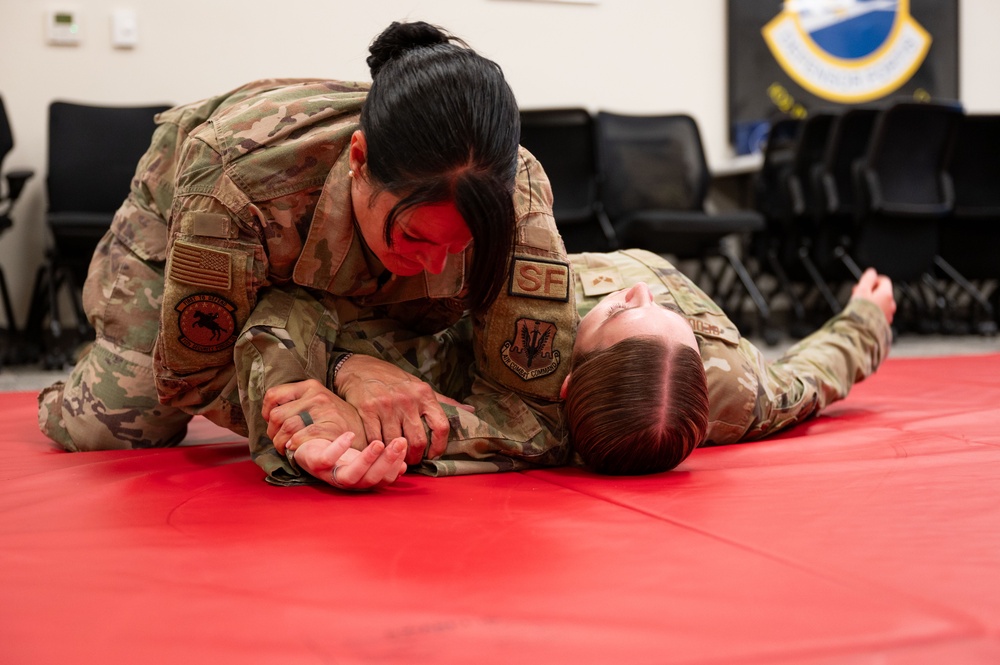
334,258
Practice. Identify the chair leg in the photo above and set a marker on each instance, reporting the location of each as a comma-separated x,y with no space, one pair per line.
821,285
54,354
798,309
54,280
7,307
83,328
985,327
768,332
848,261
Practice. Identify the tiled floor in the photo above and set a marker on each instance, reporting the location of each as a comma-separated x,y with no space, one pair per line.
21,378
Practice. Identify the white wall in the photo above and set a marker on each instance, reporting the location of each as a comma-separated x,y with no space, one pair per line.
624,55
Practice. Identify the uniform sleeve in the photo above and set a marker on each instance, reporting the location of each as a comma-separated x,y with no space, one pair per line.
289,337
820,369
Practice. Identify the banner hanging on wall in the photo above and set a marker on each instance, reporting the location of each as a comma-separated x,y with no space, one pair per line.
787,58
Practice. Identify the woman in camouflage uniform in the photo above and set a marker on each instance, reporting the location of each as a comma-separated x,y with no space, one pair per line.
262,221
658,369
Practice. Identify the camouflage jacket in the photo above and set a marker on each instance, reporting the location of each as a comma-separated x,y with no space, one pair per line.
246,197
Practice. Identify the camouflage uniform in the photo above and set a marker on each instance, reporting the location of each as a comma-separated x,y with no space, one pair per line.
749,397
235,264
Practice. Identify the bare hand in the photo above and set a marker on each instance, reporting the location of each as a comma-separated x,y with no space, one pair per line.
330,415
343,467
878,289
395,404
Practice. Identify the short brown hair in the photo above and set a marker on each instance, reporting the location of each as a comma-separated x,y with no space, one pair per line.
624,419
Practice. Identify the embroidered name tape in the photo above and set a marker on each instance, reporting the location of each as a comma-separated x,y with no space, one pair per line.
536,278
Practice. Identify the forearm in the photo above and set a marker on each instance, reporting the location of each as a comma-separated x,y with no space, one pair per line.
822,368
288,339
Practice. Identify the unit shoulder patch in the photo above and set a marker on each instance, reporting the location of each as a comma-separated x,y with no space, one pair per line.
531,354
206,322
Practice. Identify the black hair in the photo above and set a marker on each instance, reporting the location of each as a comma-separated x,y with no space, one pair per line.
441,124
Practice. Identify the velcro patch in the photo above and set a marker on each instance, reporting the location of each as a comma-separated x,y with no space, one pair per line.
210,224
706,329
601,281
201,266
537,278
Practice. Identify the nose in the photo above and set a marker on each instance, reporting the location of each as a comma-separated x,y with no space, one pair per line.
434,260
639,295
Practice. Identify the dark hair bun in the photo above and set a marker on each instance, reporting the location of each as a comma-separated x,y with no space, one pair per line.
399,38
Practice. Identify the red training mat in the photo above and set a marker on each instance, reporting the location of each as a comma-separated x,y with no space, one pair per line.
868,535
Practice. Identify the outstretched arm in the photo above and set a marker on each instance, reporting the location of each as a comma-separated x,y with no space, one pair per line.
823,367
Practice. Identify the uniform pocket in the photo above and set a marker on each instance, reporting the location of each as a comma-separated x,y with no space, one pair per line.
210,287
128,292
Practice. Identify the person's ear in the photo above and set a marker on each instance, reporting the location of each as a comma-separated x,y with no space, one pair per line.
358,154
565,386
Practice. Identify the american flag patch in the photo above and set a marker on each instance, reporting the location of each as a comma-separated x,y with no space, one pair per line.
201,266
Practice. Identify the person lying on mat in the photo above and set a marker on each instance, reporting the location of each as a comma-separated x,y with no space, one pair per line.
263,220
657,370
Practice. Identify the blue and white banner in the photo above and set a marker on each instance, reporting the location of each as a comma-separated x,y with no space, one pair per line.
789,57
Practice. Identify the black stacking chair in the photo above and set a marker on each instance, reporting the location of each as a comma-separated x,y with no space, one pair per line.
15,180
828,230
847,144
774,247
92,156
770,190
970,238
563,141
791,244
904,193
653,181
810,147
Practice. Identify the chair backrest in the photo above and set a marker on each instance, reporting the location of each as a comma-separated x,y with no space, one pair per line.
93,152
13,181
810,146
770,196
563,142
848,142
650,162
903,171
974,166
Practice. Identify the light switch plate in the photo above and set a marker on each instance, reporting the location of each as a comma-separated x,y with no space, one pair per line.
124,28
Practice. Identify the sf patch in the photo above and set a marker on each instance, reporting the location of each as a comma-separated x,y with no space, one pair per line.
531,354
535,278
206,322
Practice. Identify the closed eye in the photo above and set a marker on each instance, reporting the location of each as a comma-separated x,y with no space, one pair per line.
617,308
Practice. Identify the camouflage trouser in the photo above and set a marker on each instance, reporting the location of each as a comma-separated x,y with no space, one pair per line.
109,400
